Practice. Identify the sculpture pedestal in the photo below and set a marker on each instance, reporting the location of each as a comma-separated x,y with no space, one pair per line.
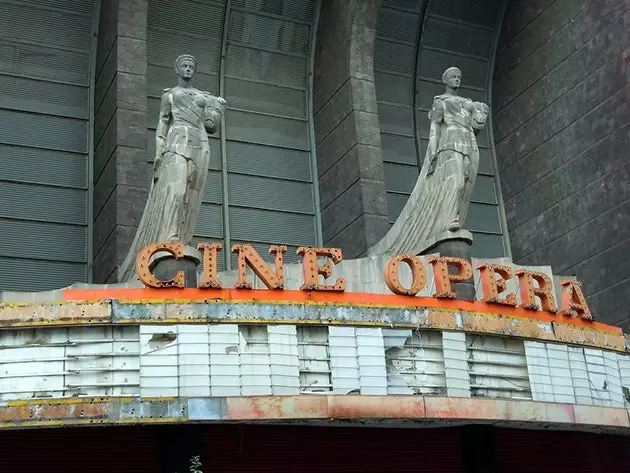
456,244
164,265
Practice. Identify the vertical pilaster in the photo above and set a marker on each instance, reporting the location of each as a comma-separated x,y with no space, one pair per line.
350,164
120,154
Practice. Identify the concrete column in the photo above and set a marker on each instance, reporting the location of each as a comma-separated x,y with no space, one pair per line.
120,155
351,179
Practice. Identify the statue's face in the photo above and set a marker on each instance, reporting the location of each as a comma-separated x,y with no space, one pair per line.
453,79
186,69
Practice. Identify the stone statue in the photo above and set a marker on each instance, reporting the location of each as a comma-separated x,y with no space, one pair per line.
437,207
182,155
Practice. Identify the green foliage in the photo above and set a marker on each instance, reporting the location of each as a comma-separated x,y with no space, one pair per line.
195,465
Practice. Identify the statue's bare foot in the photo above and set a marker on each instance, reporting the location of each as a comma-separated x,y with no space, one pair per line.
454,226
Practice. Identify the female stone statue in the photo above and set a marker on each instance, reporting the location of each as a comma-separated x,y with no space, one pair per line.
437,207
182,155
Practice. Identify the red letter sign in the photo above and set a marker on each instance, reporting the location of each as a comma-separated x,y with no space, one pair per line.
312,270
492,286
418,275
144,259
248,256
443,278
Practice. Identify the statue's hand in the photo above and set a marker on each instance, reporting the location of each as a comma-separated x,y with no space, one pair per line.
432,163
156,168
159,151
221,104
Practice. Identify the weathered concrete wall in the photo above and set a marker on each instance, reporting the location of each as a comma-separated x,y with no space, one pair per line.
561,122
120,132
351,179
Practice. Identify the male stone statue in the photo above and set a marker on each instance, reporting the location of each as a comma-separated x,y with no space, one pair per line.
182,154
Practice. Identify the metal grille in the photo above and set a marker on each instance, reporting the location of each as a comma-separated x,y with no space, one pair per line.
408,72
497,367
266,149
44,95
415,362
395,51
314,359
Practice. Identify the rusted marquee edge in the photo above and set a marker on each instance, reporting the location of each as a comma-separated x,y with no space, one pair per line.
544,327
313,408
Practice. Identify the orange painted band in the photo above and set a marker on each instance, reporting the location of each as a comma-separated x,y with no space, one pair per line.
323,297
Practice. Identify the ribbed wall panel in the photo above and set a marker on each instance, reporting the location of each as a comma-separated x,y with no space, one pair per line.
45,85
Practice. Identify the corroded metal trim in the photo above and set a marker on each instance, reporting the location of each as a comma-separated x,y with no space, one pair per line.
323,314
313,308
323,298
31,314
99,411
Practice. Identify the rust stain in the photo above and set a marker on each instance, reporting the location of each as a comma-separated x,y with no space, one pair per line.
59,413
441,319
277,407
593,415
46,412
463,408
506,326
584,336
70,312
324,298
532,411
383,407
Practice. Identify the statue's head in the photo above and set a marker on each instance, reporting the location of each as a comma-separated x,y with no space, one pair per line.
185,66
452,77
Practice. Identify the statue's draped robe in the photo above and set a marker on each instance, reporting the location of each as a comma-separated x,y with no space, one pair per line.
177,190
440,197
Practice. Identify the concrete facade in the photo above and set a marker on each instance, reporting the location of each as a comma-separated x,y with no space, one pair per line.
561,118
120,155
350,163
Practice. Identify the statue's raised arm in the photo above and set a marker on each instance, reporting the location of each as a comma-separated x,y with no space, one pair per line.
213,113
438,205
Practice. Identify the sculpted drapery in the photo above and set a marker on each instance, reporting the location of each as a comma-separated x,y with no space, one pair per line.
182,156
438,204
